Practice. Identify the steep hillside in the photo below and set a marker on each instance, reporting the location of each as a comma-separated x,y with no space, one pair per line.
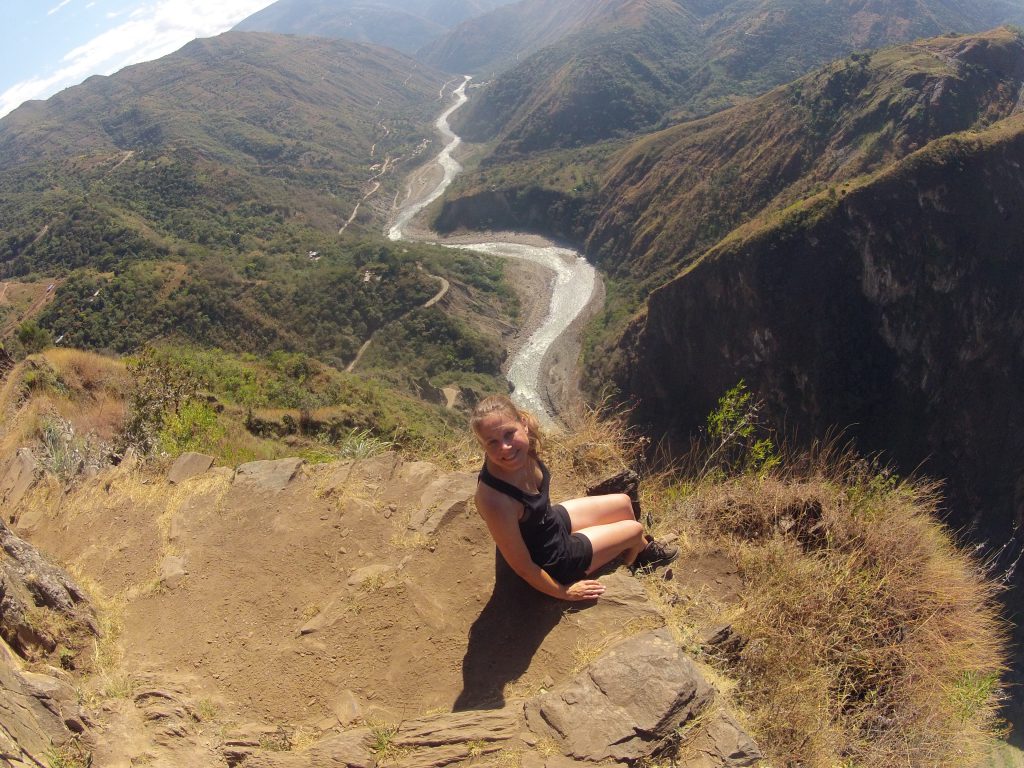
890,306
644,209
200,198
632,62
405,25
616,67
241,143
673,194
493,41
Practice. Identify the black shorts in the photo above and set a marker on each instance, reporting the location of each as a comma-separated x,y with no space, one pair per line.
575,554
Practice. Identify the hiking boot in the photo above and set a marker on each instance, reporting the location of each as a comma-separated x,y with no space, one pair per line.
654,555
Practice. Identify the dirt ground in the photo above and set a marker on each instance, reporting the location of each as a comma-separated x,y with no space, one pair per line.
291,604
22,301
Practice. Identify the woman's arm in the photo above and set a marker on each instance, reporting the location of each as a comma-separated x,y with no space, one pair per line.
502,522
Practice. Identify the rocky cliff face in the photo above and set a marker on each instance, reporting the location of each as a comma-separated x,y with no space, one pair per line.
45,624
892,310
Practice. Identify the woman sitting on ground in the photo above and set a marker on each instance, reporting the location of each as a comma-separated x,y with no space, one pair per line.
552,548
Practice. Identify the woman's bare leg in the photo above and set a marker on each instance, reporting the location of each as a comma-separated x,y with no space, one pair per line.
623,537
589,511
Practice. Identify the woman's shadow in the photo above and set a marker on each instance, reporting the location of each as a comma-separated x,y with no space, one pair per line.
505,636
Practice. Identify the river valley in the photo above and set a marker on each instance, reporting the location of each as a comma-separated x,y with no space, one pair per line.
542,365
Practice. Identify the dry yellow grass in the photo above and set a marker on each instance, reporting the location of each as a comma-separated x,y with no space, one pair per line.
85,389
871,638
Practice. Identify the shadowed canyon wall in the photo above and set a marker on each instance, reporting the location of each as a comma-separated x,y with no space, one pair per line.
894,310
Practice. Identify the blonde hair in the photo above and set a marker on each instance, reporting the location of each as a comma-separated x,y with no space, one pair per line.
502,404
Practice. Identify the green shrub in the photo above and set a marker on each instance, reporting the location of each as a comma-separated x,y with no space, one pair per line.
192,427
737,441
32,338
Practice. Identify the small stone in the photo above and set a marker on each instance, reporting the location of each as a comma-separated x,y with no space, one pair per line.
172,571
189,465
346,708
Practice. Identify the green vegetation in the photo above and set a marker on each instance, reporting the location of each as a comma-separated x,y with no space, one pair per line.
84,411
237,406
428,344
382,745
31,338
327,308
189,216
70,755
736,440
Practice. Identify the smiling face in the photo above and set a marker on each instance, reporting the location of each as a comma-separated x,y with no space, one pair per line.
505,440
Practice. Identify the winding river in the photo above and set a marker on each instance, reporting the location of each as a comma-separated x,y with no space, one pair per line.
572,286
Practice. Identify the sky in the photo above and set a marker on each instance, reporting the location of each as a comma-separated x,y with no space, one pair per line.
52,44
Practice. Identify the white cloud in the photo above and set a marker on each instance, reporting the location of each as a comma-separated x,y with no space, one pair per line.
153,30
59,6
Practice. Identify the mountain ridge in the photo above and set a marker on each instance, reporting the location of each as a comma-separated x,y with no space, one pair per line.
673,60
405,25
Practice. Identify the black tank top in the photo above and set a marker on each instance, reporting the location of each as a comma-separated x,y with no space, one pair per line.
542,531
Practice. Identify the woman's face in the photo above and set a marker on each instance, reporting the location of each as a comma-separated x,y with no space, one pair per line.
505,440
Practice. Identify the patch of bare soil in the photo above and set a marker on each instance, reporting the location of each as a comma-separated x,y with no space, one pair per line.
23,301
356,592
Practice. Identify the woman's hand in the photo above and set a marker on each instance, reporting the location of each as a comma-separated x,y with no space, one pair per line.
588,589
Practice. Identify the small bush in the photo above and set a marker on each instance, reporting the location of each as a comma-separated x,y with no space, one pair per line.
32,338
737,441
159,388
193,427
70,755
383,735
67,453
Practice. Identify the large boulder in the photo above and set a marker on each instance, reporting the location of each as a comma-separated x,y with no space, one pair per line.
29,583
39,710
187,466
626,705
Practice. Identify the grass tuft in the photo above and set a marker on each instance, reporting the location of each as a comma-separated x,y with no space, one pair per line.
869,635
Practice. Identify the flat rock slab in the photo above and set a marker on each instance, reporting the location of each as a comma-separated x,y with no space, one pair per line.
269,475
442,499
16,477
722,743
624,705
189,465
439,740
347,750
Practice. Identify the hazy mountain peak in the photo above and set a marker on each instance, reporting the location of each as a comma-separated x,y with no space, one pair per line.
405,25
